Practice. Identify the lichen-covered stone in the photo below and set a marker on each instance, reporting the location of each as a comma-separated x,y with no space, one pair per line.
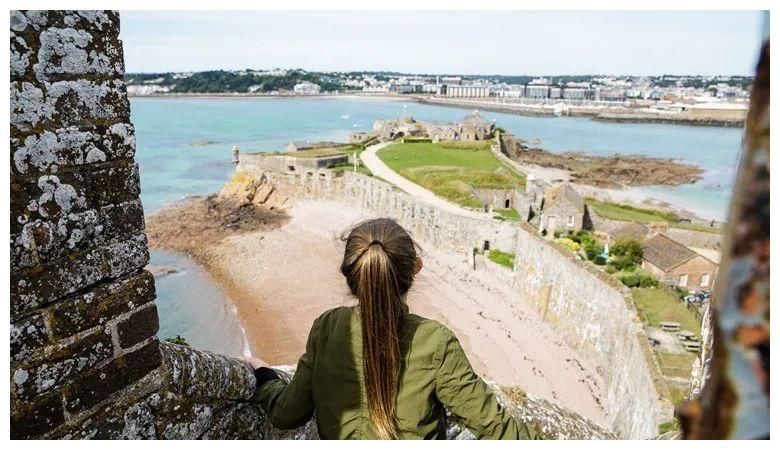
63,104
41,241
200,374
141,324
50,197
28,335
33,418
101,305
51,150
57,364
97,385
32,288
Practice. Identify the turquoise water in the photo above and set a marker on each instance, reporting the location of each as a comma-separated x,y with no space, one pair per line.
192,305
172,168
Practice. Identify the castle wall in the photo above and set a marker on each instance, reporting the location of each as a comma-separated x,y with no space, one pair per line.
595,315
425,222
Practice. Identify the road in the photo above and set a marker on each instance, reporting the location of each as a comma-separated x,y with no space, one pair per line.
381,170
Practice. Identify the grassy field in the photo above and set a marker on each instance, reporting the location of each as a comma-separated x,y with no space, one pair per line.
655,305
618,211
451,169
503,258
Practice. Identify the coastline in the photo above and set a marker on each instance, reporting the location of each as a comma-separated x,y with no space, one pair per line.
282,277
604,114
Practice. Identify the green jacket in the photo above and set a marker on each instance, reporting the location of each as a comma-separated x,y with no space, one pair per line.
435,374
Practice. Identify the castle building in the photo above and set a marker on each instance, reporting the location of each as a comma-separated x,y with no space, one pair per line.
563,210
474,127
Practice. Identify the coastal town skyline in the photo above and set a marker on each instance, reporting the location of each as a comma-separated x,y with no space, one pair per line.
536,43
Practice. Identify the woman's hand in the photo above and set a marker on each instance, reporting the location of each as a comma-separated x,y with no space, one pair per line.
254,363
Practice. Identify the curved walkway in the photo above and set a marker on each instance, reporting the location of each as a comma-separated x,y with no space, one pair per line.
381,170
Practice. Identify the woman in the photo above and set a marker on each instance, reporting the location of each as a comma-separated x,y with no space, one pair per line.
375,371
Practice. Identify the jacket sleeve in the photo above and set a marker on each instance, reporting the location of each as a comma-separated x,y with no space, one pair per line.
470,399
289,405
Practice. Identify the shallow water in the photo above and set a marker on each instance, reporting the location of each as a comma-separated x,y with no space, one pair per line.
193,306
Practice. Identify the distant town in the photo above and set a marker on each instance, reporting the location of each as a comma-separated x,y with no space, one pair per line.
598,88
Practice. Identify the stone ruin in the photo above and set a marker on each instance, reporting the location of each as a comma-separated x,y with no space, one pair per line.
85,359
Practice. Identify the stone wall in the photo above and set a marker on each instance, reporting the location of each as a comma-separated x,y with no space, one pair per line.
425,222
83,316
595,315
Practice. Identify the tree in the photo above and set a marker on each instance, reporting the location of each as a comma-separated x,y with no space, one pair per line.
627,249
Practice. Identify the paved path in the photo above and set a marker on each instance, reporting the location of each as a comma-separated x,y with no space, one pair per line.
380,169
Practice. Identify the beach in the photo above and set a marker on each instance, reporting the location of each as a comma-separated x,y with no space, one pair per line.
281,278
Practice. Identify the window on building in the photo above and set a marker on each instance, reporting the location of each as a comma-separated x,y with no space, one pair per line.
705,280
570,221
683,280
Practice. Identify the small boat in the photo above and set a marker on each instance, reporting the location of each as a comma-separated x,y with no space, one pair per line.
345,116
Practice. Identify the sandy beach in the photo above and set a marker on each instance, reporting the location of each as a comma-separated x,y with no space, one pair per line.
281,279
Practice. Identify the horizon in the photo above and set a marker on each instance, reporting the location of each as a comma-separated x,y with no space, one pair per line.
447,74
608,43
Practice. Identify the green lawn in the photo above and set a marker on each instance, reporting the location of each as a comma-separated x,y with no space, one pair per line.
349,168
618,211
503,258
676,365
511,214
655,305
451,169
330,151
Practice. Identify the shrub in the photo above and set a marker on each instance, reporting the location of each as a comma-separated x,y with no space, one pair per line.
610,268
623,263
630,279
646,279
178,339
568,243
631,249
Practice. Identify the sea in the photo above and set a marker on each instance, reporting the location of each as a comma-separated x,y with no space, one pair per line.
184,148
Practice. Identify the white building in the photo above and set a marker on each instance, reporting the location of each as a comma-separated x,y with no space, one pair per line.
467,91
306,88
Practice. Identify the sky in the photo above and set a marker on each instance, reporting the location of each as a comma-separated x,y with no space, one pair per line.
463,42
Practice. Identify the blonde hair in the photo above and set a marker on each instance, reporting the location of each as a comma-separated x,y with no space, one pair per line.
379,265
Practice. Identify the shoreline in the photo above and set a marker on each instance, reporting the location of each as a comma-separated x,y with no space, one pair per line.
262,270
603,114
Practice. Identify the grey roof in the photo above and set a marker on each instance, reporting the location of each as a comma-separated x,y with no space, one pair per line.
665,253
475,118
631,230
564,191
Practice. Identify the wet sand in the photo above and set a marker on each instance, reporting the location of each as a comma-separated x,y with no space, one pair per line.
282,279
